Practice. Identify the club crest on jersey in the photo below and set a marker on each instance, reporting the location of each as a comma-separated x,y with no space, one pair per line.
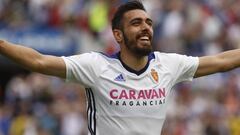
154,75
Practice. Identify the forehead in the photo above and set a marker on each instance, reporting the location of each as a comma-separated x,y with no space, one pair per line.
137,13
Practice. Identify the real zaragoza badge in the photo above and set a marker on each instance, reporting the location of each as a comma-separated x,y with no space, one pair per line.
154,75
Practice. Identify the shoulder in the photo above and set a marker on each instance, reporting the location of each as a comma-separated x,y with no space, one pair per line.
174,59
177,63
159,56
93,56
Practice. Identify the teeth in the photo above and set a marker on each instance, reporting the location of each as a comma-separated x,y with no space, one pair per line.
144,38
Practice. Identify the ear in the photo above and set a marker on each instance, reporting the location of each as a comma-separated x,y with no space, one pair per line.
118,35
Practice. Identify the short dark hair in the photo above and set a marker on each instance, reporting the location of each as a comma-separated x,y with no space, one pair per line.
131,5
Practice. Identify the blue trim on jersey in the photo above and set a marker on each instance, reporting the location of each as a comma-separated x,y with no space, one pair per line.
91,111
117,56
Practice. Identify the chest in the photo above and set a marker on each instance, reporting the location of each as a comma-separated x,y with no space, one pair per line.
134,95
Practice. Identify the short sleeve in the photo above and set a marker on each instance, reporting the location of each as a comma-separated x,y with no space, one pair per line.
186,68
80,68
181,67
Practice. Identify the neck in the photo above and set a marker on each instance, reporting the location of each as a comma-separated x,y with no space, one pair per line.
133,61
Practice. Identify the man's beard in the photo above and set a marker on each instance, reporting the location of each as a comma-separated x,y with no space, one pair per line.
132,46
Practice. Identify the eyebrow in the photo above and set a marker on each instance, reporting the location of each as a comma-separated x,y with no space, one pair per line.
139,19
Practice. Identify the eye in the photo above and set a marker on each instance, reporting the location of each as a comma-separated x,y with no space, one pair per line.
150,23
136,23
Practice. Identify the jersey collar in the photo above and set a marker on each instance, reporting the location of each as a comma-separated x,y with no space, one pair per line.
137,72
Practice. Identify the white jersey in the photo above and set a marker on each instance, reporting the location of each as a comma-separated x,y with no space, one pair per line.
122,101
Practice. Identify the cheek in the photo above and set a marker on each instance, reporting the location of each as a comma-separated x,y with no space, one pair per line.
130,36
131,31
152,32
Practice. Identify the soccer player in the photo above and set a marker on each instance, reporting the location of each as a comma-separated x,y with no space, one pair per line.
128,92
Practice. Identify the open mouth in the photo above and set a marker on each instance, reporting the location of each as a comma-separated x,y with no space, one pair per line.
144,38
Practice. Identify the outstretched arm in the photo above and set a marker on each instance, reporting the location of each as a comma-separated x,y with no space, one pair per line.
218,63
33,60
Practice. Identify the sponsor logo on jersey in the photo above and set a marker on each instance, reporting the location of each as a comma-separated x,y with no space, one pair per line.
148,97
138,94
120,78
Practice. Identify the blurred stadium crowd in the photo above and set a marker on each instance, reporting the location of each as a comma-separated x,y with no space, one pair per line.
35,104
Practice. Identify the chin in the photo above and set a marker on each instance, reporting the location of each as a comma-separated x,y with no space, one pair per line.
143,51
145,46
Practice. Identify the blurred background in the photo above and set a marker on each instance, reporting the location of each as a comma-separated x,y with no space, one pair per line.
34,104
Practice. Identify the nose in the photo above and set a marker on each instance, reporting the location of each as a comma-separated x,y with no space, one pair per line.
146,27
